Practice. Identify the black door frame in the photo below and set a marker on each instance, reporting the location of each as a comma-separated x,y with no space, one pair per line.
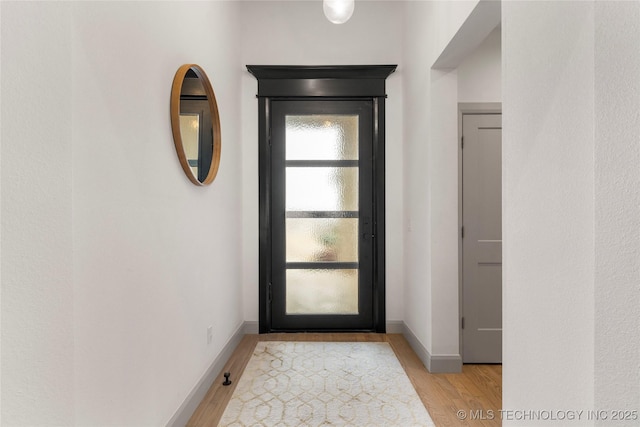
321,82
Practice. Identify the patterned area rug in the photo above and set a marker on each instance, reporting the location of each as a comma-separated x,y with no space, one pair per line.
324,383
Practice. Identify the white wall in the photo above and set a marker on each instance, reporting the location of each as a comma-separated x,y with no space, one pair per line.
617,206
0,220
430,176
37,268
297,33
113,264
480,73
571,201
548,205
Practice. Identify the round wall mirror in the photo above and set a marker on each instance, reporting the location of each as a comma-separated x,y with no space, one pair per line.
195,124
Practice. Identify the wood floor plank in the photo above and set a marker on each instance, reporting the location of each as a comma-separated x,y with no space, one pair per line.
215,401
477,391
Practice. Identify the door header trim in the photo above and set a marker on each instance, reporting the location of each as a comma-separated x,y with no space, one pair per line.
321,71
321,81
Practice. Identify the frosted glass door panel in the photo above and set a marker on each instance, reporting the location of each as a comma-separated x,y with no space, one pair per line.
322,137
322,189
322,214
322,291
322,239
321,201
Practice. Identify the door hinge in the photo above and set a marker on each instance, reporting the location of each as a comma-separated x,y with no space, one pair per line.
269,293
462,322
462,231
462,142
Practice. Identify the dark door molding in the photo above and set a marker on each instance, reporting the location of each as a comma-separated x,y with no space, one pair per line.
321,82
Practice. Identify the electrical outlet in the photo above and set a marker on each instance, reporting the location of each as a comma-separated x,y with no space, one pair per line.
209,334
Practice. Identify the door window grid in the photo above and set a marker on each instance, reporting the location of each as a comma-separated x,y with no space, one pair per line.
321,175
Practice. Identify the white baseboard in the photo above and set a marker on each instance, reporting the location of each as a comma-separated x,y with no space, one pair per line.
250,327
190,404
436,364
395,326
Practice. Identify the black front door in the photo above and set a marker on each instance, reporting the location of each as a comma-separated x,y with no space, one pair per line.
322,187
322,215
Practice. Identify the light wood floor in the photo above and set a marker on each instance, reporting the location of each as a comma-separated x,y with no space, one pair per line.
477,390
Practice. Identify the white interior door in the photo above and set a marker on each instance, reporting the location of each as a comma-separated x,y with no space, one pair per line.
482,238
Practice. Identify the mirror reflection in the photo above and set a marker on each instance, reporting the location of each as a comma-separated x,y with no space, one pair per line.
190,131
196,125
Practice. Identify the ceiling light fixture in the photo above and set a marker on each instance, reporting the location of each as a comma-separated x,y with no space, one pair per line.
338,11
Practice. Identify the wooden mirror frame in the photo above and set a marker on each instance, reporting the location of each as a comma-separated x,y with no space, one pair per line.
176,90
